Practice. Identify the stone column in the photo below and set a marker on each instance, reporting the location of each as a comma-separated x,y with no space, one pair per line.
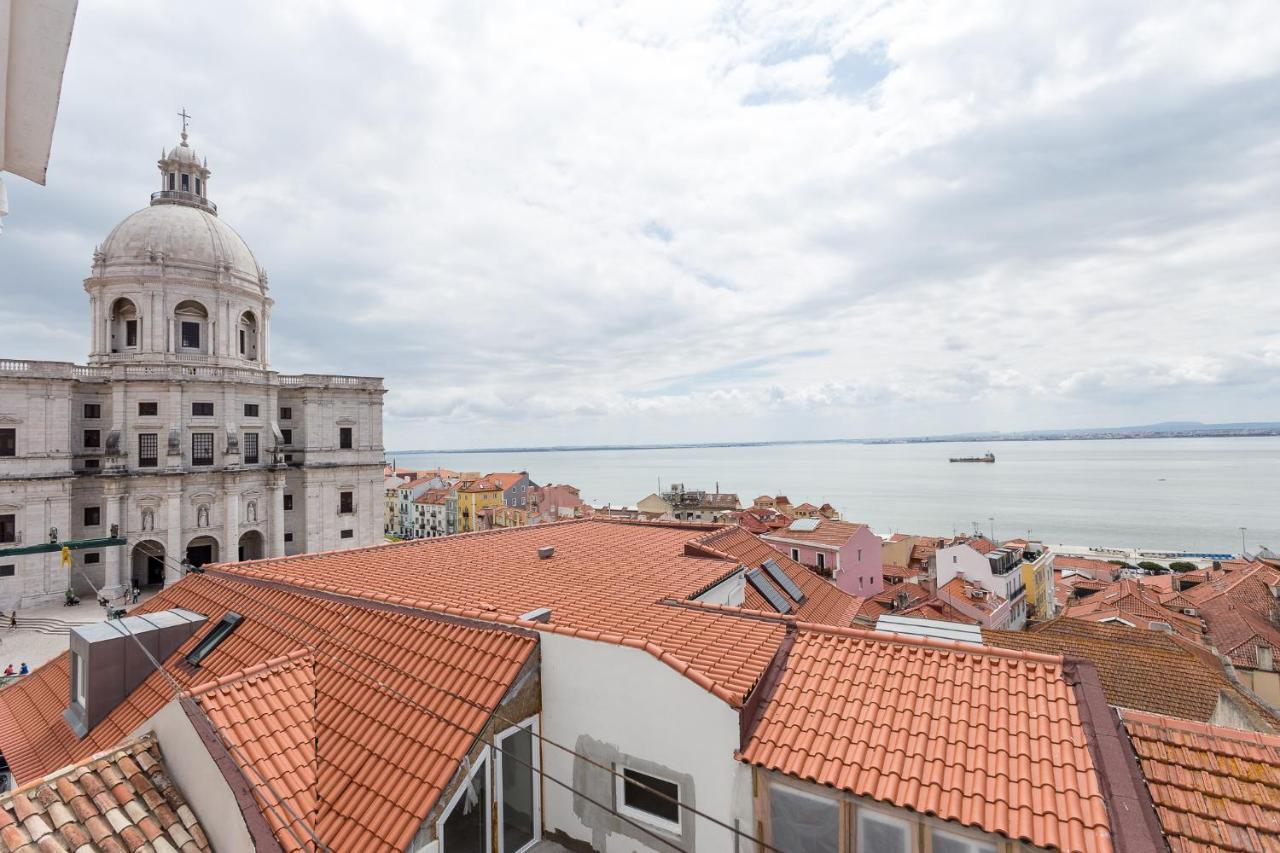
231,520
313,533
175,552
111,578
275,515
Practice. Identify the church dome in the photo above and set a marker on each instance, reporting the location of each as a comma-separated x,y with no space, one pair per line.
179,235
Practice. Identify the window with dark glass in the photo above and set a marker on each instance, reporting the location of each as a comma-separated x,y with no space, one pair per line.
92,438
8,442
202,410
131,333
171,181
201,448
92,516
186,183
286,437
286,413
93,411
197,186
250,448
190,335
347,534
216,635
148,449
148,409
250,410
344,438
288,537
89,559
242,341
8,527
650,796
7,571
346,502
288,502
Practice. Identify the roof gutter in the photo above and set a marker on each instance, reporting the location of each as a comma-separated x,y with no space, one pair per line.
1135,827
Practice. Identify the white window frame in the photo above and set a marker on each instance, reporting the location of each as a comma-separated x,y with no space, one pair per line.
80,682
620,783
822,560
875,814
795,554
482,763
532,725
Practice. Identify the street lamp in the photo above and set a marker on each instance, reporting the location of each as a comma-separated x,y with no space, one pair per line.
1242,547
992,519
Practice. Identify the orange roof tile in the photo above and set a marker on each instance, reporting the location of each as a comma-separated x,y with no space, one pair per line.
984,600
120,799
828,532
505,479
988,738
1142,669
824,601
1214,789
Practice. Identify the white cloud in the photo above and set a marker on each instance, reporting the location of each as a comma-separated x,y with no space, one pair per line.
640,221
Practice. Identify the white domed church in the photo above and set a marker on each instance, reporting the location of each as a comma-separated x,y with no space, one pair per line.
177,433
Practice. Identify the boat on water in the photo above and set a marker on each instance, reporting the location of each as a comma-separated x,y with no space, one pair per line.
990,457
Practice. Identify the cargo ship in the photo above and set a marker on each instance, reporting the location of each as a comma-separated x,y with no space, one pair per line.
990,457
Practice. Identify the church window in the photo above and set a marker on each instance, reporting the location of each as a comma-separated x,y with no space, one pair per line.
6,571
347,534
344,438
202,410
171,180
190,335
90,559
186,183
8,442
92,516
286,413
197,186
201,448
8,527
92,438
346,503
250,448
131,333
150,410
148,449
288,537
286,436
92,411
250,410
242,341
288,502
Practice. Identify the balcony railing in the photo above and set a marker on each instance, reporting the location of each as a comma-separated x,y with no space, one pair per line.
184,197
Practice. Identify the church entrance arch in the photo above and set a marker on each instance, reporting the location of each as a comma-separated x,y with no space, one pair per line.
251,546
147,564
202,550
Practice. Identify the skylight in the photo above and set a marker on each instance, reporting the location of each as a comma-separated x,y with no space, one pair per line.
783,580
214,638
769,591
805,525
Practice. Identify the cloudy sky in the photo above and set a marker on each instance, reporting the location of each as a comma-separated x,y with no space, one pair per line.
550,223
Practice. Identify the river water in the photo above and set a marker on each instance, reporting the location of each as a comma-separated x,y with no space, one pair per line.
1189,493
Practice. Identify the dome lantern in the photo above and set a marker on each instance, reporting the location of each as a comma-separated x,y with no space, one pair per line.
184,177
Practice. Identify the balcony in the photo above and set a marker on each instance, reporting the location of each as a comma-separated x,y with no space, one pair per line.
190,199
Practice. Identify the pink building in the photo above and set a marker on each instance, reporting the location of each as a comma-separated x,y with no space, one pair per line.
849,553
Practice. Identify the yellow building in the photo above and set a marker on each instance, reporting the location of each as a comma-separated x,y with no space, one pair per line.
474,497
1037,577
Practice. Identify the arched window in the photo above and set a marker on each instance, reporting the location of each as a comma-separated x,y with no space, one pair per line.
248,336
191,322
125,328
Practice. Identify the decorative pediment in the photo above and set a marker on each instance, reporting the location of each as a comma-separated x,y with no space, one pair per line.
202,498
346,421
9,419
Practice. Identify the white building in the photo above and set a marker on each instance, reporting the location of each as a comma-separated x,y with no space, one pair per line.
996,570
177,431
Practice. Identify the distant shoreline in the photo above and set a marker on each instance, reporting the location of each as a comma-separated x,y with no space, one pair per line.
1261,430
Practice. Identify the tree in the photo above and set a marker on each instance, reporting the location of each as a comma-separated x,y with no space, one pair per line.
1149,566
1182,566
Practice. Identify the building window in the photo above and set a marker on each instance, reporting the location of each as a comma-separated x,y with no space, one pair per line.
92,411
347,534
795,554
288,537
186,183
346,503
190,335
288,502
250,410
90,559
949,842
649,798
92,516
92,438
7,570
150,410
344,438
214,638
251,448
202,410
286,413
8,442
8,527
131,333
822,560
91,463
859,555
286,437
201,448
882,833
148,449
803,821
78,679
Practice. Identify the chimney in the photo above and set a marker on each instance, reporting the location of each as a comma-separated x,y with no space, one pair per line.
107,665
546,552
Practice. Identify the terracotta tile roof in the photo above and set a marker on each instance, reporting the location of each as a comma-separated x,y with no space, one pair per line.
1130,601
1095,568
1214,789
433,496
988,738
505,479
370,740
900,572
806,507
981,544
121,799
830,533
1141,669
908,599
824,601
958,589
480,485
899,537
607,580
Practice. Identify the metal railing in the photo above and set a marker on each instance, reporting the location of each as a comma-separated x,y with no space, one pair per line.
184,197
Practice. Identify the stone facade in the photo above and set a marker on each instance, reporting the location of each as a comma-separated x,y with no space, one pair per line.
177,432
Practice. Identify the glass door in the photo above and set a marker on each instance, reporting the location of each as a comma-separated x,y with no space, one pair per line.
465,825
517,788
